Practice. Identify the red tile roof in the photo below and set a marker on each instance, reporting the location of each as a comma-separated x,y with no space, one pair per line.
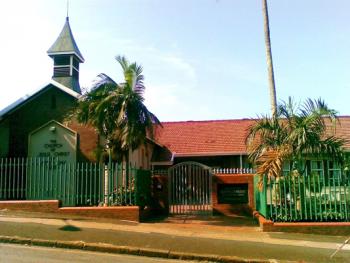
341,130
217,137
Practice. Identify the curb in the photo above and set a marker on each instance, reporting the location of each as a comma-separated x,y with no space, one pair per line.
108,248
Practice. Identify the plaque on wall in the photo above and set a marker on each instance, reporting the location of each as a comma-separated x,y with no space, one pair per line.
53,140
232,193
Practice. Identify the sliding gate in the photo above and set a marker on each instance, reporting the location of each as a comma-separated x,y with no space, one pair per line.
190,187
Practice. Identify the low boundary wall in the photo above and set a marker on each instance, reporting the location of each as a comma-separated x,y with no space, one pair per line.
50,206
131,213
323,228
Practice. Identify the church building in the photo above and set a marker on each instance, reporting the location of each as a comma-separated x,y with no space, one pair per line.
37,125
196,165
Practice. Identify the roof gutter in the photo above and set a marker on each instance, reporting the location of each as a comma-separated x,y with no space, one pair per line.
171,162
209,154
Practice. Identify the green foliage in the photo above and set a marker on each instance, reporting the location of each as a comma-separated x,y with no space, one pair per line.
136,192
122,196
117,110
296,132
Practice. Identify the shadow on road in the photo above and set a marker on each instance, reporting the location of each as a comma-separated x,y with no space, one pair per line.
69,227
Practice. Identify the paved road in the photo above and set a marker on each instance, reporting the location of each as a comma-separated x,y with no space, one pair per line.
10,253
299,251
244,241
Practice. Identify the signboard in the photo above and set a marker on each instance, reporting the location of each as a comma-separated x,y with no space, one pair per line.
53,140
233,193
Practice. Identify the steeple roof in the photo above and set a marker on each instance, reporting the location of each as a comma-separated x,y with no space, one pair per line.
65,43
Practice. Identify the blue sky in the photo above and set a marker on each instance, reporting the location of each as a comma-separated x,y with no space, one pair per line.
202,59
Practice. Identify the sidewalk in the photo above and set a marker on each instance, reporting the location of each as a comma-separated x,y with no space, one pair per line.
179,238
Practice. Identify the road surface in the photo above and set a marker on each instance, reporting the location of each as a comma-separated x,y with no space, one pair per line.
10,253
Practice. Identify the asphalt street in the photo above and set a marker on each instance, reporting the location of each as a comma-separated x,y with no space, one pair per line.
10,253
208,237
187,244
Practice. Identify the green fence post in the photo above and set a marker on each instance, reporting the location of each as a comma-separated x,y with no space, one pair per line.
346,201
131,174
85,182
39,180
31,184
340,198
319,199
21,193
9,179
100,183
16,173
5,175
325,216
335,198
314,191
90,183
290,197
1,178
272,205
136,187
117,182
95,185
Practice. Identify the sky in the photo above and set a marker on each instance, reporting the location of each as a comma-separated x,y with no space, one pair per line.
202,59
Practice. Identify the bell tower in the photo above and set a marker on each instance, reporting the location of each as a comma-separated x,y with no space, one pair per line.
67,58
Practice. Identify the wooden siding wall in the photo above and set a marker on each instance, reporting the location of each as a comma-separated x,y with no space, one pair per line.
4,138
51,104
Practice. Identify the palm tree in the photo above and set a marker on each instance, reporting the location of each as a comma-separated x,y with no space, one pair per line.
293,134
271,76
117,111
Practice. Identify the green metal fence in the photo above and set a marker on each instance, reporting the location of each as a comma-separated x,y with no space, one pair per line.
305,198
260,197
74,184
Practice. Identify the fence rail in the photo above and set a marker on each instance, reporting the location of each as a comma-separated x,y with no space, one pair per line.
233,170
305,198
215,171
75,184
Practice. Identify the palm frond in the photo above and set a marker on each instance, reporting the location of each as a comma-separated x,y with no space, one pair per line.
102,80
117,110
295,132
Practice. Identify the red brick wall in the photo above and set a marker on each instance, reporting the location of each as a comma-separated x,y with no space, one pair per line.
131,213
32,206
88,141
233,179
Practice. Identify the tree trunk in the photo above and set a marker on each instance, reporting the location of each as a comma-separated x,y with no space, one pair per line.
107,172
125,169
271,76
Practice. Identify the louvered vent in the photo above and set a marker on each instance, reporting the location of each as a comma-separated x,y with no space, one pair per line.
61,71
